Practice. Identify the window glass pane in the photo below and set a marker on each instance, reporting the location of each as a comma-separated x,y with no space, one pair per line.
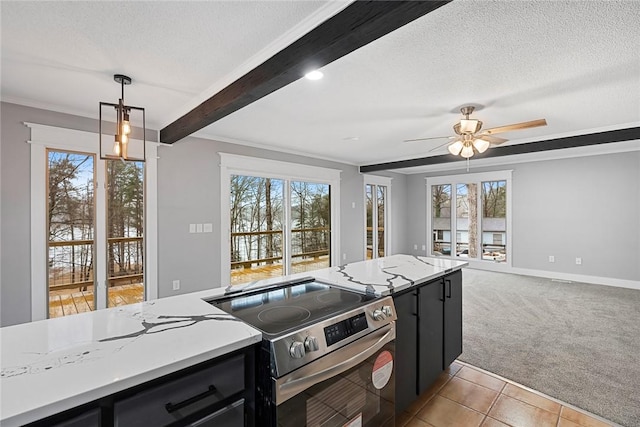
441,219
494,220
467,220
125,232
369,196
310,226
382,197
70,208
256,228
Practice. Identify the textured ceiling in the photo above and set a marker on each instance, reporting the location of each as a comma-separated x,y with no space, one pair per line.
575,63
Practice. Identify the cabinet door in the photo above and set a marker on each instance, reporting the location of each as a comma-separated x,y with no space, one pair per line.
406,351
430,330
452,318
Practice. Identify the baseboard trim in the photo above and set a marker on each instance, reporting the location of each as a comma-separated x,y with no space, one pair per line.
596,280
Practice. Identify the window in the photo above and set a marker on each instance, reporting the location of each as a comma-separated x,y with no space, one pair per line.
479,219
376,216
281,218
89,225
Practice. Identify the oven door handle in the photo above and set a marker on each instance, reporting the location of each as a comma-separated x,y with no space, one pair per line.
330,365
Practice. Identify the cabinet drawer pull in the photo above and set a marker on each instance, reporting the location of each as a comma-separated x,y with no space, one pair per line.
448,283
172,407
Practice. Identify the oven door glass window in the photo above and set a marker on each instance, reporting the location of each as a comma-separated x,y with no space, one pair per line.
361,396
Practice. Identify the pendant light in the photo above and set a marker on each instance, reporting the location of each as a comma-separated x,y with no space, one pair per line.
122,143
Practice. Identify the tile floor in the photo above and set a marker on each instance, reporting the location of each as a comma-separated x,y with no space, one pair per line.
464,396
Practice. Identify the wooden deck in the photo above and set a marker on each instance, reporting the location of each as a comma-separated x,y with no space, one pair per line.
65,303
243,275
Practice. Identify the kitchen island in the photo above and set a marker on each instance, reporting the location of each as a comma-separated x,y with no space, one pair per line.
54,365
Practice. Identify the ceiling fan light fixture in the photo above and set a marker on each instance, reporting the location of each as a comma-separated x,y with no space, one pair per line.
455,148
470,125
481,145
467,151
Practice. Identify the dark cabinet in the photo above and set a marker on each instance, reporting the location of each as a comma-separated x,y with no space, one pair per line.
429,335
217,393
452,318
406,355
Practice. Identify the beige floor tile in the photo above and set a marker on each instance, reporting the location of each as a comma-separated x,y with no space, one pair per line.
417,404
481,378
442,412
531,398
415,407
403,418
469,394
580,418
491,422
453,368
417,422
563,422
521,414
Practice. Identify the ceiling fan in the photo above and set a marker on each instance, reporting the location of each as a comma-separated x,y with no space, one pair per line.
469,137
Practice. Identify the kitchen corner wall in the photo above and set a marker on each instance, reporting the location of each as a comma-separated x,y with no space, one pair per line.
189,193
586,207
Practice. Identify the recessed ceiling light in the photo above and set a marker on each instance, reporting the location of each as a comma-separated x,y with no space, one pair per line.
314,75
351,138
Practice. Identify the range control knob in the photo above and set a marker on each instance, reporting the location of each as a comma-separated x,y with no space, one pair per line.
311,344
297,350
378,314
386,309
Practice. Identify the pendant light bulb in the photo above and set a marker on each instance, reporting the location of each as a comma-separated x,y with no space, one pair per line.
116,146
126,126
481,145
467,151
124,138
455,148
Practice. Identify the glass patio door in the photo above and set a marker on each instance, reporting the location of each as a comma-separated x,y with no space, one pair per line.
77,246
376,217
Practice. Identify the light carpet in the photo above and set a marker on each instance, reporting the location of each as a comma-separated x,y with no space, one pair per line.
577,342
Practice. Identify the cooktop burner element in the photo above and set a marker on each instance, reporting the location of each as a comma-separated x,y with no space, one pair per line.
284,315
292,306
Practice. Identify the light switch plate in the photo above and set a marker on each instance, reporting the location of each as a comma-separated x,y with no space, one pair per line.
192,228
208,228
198,228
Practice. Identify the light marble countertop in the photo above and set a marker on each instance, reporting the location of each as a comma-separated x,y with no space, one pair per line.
53,365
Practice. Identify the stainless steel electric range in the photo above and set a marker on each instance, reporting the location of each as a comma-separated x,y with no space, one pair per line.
326,357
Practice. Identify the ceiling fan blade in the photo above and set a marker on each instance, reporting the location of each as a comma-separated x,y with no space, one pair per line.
446,143
427,139
516,126
495,140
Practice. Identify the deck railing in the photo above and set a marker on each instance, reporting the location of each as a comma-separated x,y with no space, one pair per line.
66,274
319,248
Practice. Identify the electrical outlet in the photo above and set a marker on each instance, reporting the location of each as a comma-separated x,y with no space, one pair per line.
552,258
424,248
578,261
176,285
344,257
415,247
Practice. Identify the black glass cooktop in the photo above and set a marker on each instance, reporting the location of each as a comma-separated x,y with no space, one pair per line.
281,309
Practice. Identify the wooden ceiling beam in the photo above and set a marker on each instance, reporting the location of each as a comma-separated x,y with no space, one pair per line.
357,25
618,135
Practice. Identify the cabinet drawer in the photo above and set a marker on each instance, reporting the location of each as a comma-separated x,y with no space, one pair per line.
178,398
230,416
87,419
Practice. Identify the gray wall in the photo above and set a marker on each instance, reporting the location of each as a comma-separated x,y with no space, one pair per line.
586,207
188,192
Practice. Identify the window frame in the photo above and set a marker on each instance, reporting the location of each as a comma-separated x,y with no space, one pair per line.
470,178
44,138
235,164
376,181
